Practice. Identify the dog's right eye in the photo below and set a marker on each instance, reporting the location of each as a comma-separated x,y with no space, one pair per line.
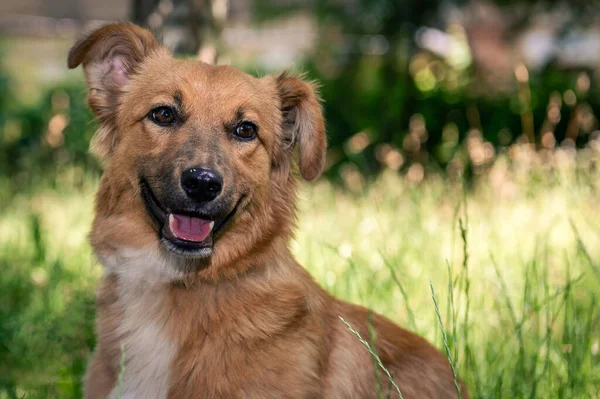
163,116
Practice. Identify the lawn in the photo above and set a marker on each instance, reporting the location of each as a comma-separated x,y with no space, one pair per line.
514,259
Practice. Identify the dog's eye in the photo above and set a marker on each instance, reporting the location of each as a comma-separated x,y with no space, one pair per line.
246,131
163,116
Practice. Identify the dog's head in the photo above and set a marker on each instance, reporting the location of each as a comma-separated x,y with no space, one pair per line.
198,158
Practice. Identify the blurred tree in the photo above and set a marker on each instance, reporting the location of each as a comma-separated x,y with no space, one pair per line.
197,23
394,99
142,9
430,84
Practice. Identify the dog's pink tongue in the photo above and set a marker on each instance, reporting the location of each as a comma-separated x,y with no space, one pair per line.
190,228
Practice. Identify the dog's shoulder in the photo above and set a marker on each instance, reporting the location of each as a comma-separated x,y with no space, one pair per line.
413,362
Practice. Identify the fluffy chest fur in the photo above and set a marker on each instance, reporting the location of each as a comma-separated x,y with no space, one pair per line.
147,349
252,338
139,326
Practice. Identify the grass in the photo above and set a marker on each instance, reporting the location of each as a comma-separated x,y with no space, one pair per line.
445,337
376,358
514,261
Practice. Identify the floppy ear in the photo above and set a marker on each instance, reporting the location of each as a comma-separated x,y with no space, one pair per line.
303,123
110,55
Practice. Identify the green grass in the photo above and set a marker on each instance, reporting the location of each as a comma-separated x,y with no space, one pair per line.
514,261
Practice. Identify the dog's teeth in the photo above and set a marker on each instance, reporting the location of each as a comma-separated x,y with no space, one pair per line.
171,222
211,225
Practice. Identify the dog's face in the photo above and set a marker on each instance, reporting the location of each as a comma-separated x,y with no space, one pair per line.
198,157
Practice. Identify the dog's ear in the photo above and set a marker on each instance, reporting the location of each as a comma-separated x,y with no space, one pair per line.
303,122
110,55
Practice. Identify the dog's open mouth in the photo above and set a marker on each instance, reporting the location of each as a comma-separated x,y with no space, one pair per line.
189,228
189,234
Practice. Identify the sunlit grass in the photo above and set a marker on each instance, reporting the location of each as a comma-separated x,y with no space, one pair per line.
529,281
533,326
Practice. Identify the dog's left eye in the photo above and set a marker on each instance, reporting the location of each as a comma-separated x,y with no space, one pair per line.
163,116
246,131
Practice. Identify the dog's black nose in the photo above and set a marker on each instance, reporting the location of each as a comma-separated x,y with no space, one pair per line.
201,185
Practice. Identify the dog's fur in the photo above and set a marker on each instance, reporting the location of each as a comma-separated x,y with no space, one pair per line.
246,321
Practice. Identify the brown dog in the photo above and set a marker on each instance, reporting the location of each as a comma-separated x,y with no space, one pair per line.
194,215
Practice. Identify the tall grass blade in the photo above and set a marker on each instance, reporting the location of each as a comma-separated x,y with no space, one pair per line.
121,373
448,354
373,344
584,251
409,311
375,356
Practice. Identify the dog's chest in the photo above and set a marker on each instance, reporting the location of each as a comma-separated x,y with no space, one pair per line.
249,344
148,351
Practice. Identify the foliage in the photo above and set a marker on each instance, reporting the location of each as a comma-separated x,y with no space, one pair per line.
389,102
46,295
40,141
385,91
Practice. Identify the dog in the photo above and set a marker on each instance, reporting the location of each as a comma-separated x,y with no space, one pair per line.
194,214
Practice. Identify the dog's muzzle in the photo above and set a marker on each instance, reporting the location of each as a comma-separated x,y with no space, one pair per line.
186,233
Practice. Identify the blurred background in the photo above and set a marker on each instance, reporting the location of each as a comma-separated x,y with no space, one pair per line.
417,87
468,124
